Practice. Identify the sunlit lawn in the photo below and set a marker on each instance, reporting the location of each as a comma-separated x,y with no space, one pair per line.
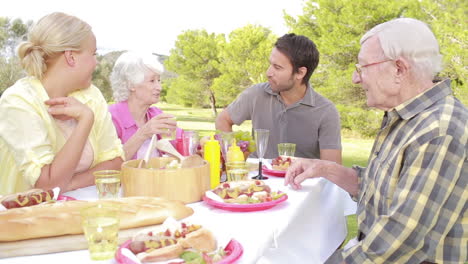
355,150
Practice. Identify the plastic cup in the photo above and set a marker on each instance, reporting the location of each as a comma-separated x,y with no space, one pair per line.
237,171
107,183
170,133
190,143
101,226
286,149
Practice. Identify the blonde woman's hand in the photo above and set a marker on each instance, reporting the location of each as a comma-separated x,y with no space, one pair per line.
159,124
64,108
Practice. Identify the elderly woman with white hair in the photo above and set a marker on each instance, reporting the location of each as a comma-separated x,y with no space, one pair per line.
136,85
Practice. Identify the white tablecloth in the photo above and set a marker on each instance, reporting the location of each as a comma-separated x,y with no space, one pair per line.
306,228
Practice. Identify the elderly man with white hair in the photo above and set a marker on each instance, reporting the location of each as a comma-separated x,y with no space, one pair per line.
412,196
136,85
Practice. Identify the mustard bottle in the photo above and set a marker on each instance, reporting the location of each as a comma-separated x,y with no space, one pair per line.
212,152
234,153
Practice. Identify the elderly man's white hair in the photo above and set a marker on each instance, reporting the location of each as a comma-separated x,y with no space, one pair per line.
129,70
411,39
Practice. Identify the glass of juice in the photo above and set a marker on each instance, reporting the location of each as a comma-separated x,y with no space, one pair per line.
237,171
101,226
286,150
107,183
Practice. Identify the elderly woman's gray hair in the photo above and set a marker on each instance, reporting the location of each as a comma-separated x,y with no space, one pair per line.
411,39
129,70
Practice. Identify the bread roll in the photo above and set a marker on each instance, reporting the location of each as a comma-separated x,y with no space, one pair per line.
165,253
63,218
202,240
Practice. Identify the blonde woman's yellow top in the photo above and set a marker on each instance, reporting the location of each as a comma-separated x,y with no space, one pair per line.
30,137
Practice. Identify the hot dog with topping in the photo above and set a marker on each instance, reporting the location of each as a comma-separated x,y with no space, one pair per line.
244,192
170,243
28,198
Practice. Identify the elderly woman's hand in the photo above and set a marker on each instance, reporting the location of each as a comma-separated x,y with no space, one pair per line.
159,124
64,108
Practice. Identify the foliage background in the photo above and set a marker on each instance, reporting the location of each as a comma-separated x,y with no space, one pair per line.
209,70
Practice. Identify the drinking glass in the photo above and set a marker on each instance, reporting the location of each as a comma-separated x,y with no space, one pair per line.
286,150
261,140
190,143
236,171
168,134
107,183
225,141
101,226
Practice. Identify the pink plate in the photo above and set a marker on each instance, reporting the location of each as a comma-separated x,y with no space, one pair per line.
244,207
277,173
65,198
234,251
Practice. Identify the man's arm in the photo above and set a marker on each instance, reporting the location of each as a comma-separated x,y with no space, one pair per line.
224,121
331,155
301,169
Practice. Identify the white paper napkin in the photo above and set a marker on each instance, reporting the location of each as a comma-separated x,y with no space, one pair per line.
214,196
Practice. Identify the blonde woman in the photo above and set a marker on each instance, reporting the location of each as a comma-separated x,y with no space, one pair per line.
55,129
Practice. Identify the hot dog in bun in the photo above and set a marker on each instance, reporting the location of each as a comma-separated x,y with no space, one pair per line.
254,191
168,243
28,198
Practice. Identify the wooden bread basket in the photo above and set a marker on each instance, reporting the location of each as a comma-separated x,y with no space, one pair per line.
184,184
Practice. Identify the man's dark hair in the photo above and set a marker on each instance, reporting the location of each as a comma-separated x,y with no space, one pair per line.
301,51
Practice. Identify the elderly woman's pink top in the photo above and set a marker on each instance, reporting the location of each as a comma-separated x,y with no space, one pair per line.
123,121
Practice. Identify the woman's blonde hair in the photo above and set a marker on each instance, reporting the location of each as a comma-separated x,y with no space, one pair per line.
50,36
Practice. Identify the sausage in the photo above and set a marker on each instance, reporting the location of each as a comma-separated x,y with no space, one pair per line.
160,244
29,198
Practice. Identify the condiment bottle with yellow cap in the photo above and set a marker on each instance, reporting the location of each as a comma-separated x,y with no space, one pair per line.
234,153
212,152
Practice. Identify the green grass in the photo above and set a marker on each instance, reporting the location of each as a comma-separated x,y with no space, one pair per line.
355,149
198,119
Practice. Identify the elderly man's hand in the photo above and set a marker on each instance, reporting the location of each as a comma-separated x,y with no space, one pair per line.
302,169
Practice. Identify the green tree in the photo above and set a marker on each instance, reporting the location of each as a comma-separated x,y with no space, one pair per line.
10,72
337,26
11,34
244,60
186,92
195,58
102,73
449,21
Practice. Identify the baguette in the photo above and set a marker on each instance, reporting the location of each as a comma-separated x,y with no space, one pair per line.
63,218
